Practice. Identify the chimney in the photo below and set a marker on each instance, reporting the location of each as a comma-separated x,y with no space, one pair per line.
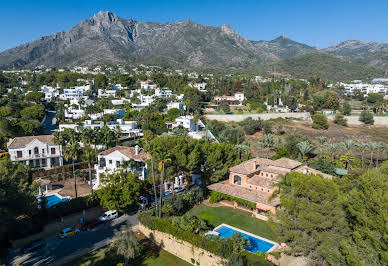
254,166
137,149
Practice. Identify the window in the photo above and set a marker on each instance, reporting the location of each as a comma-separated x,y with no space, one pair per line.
19,154
110,161
53,151
36,150
42,151
29,152
43,162
117,163
237,180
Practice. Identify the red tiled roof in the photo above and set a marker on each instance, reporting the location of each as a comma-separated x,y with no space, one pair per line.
130,152
23,141
244,193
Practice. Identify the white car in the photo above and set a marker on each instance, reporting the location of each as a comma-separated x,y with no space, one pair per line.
109,215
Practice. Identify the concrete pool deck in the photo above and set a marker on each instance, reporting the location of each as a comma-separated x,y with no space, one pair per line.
275,245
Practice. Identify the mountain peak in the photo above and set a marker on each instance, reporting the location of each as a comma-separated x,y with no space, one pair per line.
105,16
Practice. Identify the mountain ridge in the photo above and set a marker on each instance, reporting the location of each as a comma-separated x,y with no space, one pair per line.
106,38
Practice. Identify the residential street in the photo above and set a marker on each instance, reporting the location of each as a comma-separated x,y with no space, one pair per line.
60,251
49,125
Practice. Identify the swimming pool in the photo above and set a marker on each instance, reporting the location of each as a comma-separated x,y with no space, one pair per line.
54,199
256,243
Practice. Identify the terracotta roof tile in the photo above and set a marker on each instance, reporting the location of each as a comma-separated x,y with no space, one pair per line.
23,141
286,163
130,152
244,193
261,181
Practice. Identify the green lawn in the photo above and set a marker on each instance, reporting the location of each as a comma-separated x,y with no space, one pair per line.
103,257
237,218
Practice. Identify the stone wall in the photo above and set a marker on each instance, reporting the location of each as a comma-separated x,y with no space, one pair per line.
180,248
354,120
263,116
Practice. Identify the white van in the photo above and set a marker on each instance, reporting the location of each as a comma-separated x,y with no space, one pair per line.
109,215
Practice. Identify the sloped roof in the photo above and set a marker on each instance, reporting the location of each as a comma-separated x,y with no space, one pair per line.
261,181
308,170
130,152
246,167
23,141
244,193
286,163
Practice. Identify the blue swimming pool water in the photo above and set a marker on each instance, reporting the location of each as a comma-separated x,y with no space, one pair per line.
54,199
256,243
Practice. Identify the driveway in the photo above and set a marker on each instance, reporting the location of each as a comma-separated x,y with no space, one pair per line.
60,251
49,124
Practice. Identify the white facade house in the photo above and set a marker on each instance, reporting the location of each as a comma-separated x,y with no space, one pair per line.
36,151
127,128
186,122
147,85
162,93
365,89
176,105
200,86
113,159
238,96
106,93
49,92
74,113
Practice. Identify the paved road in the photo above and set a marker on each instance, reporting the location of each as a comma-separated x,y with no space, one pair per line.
263,116
49,125
60,251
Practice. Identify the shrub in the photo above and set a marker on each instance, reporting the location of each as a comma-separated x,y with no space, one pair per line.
340,120
217,196
74,205
367,118
346,109
319,121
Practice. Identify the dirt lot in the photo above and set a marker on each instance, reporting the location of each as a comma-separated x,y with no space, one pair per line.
335,133
338,133
67,187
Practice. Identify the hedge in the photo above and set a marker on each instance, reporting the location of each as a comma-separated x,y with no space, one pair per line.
218,196
72,206
164,225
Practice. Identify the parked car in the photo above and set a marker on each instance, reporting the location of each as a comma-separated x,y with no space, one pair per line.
89,225
34,246
70,231
109,215
179,189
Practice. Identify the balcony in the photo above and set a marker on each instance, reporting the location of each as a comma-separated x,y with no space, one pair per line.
36,156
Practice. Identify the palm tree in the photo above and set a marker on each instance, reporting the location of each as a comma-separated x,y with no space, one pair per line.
322,140
125,244
333,148
87,137
373,146
363,147
304,148
117,134
97,137
72,151
267,142
380,149
107,134
59,139
241,149
349,145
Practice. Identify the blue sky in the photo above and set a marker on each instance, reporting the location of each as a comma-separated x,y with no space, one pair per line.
314,22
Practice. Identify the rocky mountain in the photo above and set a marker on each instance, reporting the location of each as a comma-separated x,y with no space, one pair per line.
362,53
107,38
326,66
283,47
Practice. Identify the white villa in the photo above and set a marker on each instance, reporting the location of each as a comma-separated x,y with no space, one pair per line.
176,105
199,86
35,151
147,85
112,160
238,96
